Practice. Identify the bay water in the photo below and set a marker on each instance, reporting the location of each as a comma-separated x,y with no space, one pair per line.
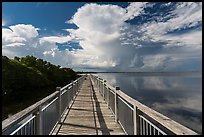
175,95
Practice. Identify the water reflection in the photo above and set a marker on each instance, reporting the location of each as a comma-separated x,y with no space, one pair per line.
178,96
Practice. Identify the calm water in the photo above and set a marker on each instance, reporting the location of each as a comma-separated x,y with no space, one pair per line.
176,95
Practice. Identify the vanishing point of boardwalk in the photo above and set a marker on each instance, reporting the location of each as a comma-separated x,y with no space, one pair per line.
88,115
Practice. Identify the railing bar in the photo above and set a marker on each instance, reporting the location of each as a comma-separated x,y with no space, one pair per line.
70,87
147,129
140,125
26,126
42,120
24,130
143,126
125,103
34,126
66,86
27,129
53,128
31,127
111,90
152,124
150,129
64,92
22,125
49,104
21,131
122,127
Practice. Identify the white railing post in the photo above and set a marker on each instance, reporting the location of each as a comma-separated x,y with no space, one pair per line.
116,104
77,86
74,88
97,81
68,92
135,120
104,89
99,84
107,95
39,122
59,103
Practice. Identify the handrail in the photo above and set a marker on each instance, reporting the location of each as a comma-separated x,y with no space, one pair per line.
27,111
167,123
36,108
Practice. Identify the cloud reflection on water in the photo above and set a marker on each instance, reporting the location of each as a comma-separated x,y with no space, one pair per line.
176,96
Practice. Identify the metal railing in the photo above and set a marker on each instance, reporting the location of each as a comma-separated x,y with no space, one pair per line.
134,117
42,117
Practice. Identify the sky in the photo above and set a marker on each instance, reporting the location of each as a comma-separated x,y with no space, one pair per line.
106,36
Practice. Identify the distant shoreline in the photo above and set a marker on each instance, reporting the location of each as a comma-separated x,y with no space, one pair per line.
146,72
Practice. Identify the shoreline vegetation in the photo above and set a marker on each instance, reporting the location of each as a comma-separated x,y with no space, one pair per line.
27,80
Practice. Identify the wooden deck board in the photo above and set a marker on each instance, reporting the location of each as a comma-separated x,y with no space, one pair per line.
89,115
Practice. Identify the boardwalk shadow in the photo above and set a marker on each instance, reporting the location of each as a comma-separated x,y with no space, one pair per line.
103,127
88,126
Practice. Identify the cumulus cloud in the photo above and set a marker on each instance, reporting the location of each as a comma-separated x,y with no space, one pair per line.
22,40
109,42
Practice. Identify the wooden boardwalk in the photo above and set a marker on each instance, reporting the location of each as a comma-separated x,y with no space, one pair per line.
89,115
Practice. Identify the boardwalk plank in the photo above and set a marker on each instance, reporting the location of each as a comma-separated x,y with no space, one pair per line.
89,115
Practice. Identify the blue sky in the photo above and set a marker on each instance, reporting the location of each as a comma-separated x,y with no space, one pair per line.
50,16
106,36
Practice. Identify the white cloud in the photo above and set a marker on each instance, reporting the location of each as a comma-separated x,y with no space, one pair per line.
25,31
134,9
192,39
99,32
22,40
9,37
186,15
57,39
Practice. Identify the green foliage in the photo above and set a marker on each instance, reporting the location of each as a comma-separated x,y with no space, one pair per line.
23,78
